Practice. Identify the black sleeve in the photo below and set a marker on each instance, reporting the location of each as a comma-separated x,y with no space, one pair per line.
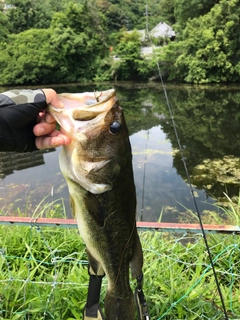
18,113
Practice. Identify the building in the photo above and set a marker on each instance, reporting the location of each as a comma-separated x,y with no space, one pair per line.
162,30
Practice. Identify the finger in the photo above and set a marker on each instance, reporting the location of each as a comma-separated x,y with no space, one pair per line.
56,140
52,98
49,118
43,128
48,142
45,117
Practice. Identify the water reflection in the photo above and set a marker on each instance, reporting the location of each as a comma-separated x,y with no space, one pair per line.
207,121
26,178
12,161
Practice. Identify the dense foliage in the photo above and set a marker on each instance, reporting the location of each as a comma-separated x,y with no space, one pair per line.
53,41
209,49
66,51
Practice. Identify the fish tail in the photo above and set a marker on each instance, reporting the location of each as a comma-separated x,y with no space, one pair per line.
120,308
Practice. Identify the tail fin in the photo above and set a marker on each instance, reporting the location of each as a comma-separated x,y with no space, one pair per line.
119,308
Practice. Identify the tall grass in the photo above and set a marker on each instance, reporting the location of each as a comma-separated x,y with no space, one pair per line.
43,273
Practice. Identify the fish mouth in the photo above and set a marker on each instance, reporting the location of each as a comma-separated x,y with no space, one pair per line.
80,108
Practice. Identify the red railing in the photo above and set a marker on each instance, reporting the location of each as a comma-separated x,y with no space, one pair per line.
163,226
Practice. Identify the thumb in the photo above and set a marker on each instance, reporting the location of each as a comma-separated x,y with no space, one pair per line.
52,98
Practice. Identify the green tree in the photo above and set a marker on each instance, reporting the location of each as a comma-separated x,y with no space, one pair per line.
117,17
167,11
27,58
131,65
209,50
189,9
27,14
68,51
132,14
79,35
4,27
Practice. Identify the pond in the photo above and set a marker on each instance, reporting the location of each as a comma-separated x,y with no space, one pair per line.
207,121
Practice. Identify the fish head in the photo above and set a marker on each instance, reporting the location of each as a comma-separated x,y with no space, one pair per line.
99,145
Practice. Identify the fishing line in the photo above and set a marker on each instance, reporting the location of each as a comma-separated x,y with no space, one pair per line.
187,174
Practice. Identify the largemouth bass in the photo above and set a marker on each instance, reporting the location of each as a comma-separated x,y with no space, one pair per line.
97,166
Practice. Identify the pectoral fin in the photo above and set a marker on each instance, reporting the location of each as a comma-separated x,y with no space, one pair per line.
93,166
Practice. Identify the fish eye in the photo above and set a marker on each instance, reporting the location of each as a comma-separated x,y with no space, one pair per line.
115,127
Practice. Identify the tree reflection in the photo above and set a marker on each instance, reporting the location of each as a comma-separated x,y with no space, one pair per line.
208,125
208,122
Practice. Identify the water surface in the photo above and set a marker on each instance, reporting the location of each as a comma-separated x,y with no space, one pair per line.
207,121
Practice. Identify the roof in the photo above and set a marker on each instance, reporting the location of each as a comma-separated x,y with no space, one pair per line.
162,30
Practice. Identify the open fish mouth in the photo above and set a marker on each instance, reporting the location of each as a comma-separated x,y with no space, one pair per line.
81,108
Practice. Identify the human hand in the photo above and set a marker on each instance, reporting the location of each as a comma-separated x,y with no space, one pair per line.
45,130
24,125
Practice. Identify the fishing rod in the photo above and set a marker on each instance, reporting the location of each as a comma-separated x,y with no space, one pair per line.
188,175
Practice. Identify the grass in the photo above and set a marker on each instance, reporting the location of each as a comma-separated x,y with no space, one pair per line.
43,273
